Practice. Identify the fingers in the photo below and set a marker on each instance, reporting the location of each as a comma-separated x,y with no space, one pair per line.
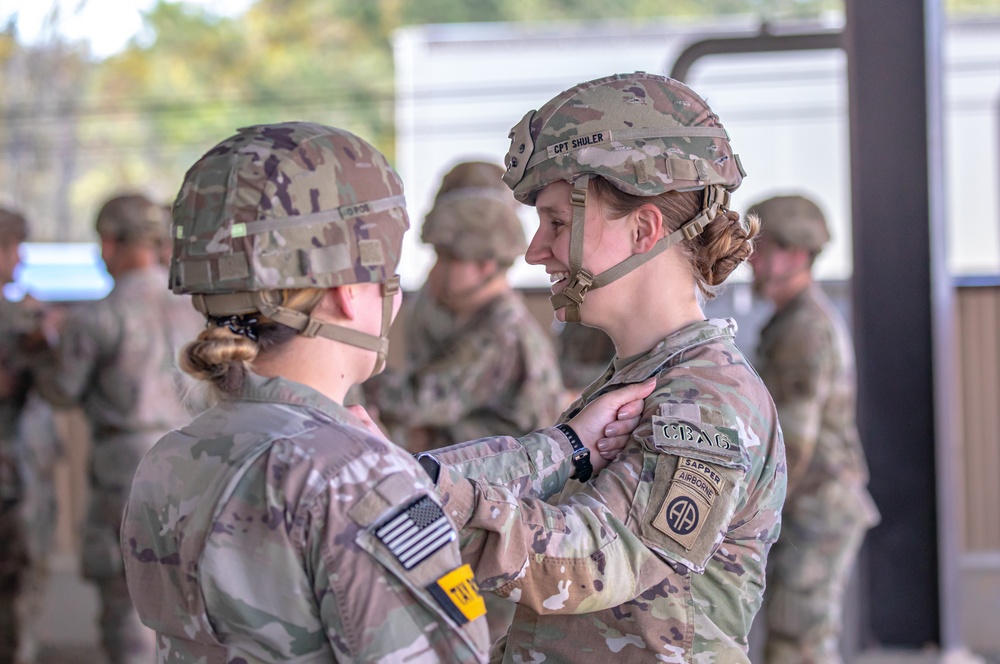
630,410
631,397
611,446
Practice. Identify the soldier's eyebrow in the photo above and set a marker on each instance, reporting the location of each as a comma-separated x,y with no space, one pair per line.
553,209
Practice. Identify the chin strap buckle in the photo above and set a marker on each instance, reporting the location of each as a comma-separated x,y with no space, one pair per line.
572,296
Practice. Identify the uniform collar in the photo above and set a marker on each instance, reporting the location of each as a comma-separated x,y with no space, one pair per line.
638,368
287,392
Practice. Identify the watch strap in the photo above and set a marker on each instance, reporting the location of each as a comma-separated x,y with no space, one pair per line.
581,455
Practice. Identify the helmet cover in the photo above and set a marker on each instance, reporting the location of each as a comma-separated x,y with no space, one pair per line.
132,218
644,133
290,205
793,221
474,216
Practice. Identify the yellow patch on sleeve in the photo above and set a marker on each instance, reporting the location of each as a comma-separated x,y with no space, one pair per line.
458,595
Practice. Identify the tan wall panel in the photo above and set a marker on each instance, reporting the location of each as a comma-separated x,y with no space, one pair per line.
979,398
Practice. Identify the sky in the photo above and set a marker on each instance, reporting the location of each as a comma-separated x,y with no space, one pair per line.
107,25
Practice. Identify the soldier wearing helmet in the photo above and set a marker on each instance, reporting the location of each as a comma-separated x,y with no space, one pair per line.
664,552
15,382
485,366
806,359
279,526
117,359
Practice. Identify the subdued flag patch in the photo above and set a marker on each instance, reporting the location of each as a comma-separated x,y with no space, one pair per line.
415,532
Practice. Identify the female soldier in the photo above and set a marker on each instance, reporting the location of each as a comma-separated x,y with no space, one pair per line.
666,548
275,527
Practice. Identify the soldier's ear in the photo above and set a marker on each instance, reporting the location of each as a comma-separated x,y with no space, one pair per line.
488,268
647,227
340,301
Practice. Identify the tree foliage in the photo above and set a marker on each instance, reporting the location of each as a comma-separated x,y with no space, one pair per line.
76,130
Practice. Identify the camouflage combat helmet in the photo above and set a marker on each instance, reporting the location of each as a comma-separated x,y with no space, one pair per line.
132,218
292,205
643,133
793,221
474,216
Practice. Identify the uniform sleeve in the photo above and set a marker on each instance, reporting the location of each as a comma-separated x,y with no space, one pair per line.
448,388
63,374
574,557
798,376
668,500
387,560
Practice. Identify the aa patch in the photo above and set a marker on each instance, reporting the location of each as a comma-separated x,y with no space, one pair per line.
693,490
458,595
370,253
415,532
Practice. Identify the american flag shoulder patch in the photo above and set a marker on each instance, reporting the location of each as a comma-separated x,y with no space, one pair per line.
415,532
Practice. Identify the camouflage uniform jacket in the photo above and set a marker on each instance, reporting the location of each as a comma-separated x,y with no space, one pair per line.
495,374
251,535
15,381
117,359
666,548
806,359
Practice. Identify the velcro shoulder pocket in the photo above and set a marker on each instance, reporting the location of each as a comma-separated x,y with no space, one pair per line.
697,485
404,528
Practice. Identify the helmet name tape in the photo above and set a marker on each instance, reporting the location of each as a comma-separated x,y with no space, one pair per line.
316,218
608,136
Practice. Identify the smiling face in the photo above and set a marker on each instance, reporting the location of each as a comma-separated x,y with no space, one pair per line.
606,243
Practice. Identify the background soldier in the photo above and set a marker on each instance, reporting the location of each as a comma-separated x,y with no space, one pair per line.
15,380
117,359
806,359
584,353
479,364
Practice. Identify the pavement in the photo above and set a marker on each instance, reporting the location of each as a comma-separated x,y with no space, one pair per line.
67,628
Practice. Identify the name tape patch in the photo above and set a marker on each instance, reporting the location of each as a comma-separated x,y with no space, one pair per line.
693,489
415,532
719,442
578,143
458,595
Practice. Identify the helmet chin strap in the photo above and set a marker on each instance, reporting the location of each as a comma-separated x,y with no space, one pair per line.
306,324
581,281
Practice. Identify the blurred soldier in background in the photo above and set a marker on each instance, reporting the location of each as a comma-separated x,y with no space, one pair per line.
117,358
15,381
29,447
584,353
806,359
478,363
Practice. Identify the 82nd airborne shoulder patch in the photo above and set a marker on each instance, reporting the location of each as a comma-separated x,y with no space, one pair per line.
693,490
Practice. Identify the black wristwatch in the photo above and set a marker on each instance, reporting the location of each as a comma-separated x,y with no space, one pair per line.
581,455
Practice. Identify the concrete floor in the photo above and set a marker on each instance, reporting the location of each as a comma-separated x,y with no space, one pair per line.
67,628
